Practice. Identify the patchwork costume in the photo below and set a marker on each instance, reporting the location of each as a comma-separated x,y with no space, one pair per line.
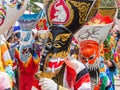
57,71
7,7
26,55
90,36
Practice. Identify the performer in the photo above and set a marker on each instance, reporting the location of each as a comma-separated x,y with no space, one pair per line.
57,71
64,73
28,58
5,59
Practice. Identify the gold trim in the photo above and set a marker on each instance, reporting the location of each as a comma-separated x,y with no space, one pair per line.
83,8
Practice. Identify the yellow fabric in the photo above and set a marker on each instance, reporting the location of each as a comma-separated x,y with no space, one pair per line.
36,61
1,62
5,58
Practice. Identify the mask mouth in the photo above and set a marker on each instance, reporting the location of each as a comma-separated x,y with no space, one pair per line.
51,64
50,68
94,72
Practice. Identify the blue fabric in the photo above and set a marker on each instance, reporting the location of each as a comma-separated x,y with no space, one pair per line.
9,71
111,77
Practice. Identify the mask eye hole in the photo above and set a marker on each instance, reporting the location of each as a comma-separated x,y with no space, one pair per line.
57,45
90,58
49,44
83,57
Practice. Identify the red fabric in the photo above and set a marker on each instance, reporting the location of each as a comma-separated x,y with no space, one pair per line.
71,74
26,72
26,81
71,77
84,79
35,84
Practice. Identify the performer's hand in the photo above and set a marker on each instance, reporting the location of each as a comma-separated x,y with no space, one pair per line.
108,63
47,84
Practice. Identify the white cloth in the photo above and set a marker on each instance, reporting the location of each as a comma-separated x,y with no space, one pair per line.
47,84
4,81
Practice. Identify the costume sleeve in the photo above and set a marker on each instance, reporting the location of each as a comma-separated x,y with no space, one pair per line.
113,68
77,76
35,55
6,56
83,80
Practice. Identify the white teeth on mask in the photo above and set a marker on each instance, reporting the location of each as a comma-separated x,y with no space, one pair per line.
58,60
53,69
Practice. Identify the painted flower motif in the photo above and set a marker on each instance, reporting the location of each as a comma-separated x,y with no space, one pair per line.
99,19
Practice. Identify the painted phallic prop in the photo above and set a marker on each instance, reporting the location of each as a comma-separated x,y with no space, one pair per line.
107,7
64,17
10,11
27,22
90,37
70,13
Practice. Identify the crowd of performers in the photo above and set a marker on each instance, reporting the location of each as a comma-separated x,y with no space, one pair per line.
61,52
20,74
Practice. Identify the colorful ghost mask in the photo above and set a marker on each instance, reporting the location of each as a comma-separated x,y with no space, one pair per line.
89,55
90,37
56,49
27,22
65,17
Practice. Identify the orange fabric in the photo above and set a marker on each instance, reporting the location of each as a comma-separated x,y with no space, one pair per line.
97,87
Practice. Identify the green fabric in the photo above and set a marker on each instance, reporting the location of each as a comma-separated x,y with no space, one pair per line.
104,82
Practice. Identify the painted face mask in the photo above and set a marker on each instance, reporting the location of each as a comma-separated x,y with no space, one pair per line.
56,50
27,22
89,55
65,17
8,7
90,37
40,40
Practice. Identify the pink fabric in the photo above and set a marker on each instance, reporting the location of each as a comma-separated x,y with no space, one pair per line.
4,81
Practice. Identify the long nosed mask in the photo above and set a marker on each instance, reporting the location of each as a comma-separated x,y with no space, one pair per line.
56,50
